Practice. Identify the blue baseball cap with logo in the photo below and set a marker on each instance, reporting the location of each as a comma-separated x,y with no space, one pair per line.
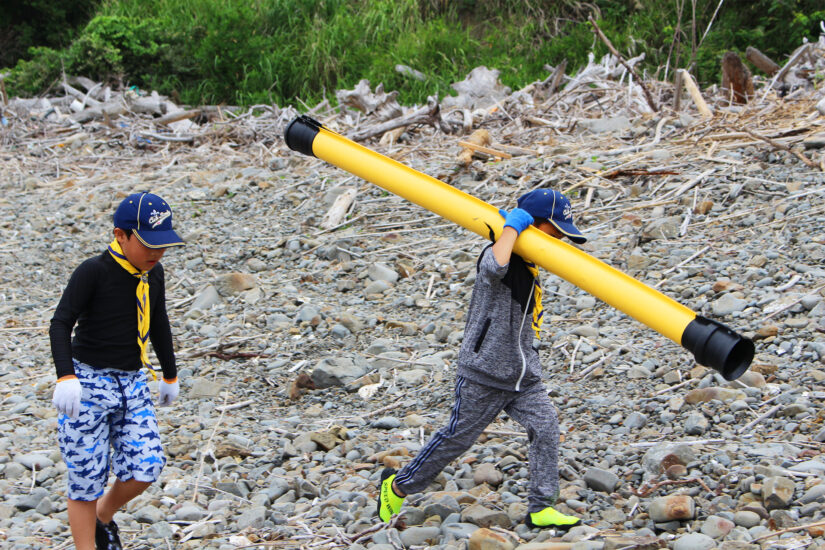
150,219
553,207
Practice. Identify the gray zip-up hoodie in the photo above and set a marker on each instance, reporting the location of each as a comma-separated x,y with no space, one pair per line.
498,338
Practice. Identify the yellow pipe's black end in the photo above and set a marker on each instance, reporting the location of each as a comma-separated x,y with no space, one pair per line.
300,134
715,345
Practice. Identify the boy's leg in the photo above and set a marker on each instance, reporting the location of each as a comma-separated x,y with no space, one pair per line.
82,523
137,454
84,444
120,493
475,407
534,410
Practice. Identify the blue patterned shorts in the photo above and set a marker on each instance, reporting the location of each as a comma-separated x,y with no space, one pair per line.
115,410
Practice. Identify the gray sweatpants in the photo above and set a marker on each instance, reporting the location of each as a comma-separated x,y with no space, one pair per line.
476,405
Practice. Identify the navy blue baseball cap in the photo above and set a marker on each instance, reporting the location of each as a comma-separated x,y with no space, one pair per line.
553,207
150,219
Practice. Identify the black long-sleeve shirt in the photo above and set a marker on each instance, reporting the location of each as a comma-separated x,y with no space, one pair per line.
100,298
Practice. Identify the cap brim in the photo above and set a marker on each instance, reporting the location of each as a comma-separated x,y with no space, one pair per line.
569,230
158,239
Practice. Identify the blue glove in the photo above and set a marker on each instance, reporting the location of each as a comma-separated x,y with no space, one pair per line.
66,397
517,218
168,392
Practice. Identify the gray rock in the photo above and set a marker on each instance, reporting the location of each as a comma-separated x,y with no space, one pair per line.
746,519
336,371
253,517
585,302
696,423
382,272
717,527
635,420
308,313
419,536
485,517
31,500
814,494
148,514
376,287
694,541
386,423
728,304
189,512
487,473
601,480
442,506
34,461
777,492
458,530
206,299
638,372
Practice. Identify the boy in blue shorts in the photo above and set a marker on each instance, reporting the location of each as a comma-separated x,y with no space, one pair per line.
115,302
499,369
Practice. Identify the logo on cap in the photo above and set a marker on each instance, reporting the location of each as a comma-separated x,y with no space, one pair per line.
156,218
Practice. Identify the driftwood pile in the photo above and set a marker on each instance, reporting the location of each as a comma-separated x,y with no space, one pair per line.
604,88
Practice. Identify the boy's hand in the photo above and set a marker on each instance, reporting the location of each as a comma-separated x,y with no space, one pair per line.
169,390
517,218
66,397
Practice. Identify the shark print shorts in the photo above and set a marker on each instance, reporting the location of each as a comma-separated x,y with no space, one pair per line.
116,412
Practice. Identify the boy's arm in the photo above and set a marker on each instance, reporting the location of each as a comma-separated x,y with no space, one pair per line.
503,247
74,300
515,221
160,333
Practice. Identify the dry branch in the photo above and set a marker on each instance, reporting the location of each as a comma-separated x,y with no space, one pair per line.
761,61
339,209
781,146
613,50
429,114
695,94
486,150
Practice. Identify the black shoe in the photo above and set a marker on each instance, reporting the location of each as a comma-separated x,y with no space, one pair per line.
106,536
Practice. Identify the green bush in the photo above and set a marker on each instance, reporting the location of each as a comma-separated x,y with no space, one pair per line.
113,47
37,74
242,52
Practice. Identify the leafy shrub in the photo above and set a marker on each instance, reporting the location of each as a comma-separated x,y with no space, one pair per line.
113,46
212,51
37,74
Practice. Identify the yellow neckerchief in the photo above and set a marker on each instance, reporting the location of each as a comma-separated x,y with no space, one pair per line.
142,302
538,314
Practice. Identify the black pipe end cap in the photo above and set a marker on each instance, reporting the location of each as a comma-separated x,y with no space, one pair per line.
300,133
717,346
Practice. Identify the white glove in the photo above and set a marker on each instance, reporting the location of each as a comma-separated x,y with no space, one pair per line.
66,397
168,392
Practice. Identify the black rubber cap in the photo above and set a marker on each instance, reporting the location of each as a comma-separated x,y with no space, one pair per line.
300,134
717,346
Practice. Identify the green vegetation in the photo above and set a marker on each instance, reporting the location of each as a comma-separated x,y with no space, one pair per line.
254,51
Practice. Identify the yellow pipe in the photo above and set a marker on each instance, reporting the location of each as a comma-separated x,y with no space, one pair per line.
712,343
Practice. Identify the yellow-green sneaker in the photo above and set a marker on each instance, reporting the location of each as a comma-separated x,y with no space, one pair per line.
389,503
550,517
